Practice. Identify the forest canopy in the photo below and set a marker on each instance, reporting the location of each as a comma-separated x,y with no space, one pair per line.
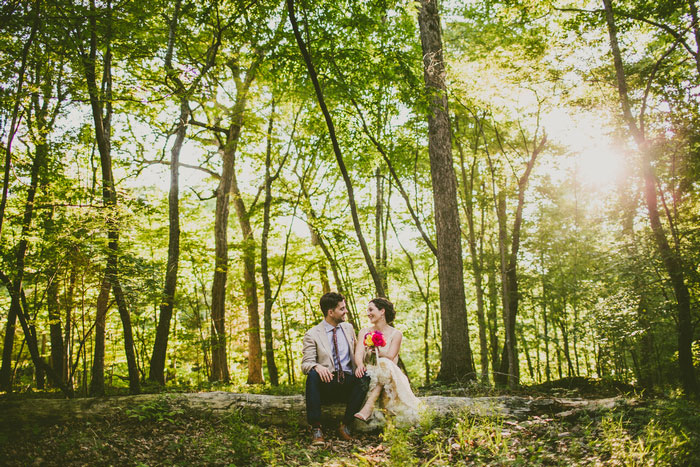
183,181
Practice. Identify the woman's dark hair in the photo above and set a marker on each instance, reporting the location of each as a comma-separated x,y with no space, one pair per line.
329,301
383,304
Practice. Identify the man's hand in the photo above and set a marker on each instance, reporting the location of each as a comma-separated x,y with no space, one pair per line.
360,371
325,374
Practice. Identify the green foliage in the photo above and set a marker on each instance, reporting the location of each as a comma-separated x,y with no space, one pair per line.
398,441
161,409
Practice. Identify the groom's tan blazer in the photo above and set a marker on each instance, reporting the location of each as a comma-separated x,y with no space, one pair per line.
317,350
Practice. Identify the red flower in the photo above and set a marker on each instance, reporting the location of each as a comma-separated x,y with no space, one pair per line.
378,339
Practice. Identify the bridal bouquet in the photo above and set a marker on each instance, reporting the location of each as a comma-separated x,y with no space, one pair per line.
372,341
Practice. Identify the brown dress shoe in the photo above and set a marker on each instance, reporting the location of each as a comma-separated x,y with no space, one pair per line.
317,437
344,432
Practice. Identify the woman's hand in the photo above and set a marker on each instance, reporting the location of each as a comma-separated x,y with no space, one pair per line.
360,371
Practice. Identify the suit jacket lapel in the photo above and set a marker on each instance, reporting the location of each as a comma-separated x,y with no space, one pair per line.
323,338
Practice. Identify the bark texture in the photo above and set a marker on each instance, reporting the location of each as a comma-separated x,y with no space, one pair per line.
456,358
160,346
102,125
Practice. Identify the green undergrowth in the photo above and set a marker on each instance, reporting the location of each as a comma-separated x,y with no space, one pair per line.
661,432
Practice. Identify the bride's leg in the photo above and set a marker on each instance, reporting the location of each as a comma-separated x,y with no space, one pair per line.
367,409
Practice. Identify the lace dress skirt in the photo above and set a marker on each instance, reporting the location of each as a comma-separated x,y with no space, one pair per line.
397,398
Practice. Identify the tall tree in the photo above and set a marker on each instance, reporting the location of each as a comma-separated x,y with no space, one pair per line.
378,284
456,359
183,93
671,260
102,112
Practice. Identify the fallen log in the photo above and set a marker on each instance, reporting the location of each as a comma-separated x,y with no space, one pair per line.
270,410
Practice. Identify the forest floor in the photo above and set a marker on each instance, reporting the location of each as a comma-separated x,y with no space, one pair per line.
641,430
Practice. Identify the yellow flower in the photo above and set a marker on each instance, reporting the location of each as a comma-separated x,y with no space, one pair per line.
368,340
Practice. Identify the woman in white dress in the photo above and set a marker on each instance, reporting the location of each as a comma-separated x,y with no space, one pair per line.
386,378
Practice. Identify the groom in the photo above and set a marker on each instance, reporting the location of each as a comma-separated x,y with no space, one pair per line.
329,363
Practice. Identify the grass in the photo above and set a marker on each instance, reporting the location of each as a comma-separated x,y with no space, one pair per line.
659,432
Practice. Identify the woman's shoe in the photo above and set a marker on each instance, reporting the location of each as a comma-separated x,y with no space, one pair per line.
361,416
366,410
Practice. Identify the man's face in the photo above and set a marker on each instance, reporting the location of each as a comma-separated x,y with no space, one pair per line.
337,314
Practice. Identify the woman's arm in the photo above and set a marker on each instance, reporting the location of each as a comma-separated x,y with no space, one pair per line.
395,346
360,354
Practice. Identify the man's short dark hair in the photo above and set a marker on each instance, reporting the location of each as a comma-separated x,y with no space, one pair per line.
329,301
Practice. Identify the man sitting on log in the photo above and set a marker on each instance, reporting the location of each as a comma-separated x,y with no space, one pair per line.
328,362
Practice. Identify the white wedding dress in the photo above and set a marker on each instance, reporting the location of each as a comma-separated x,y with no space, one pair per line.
396,398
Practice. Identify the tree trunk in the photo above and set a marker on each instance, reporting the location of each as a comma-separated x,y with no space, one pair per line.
567,351
15,285
55,328
8,344
322,268
14,126
97,382
494,346
102,125
219,359
468,189
545,323
267,287
672,262
512,365
250,286
696,32
378,285
160,346
157,370
68,328
504,374
456,359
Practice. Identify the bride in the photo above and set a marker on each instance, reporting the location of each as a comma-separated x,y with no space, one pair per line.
386,378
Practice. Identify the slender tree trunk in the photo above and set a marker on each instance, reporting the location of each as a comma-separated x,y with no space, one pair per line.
160,346
567,351
510,362
55,328
14,126
250,287
102,125
15,285
504,375
8,344
68,329
672,262
696,31
286,345
322,268
468,189
456,359
526,351
545,323
425,295
378,285
219,359
218,302
267,287
97,382
494,346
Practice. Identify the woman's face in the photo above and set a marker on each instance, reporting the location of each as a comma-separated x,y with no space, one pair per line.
373,313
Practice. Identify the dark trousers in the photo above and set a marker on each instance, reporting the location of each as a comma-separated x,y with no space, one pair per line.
351,391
